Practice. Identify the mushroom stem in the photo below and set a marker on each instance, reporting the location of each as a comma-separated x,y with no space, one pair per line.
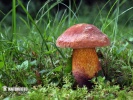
85,65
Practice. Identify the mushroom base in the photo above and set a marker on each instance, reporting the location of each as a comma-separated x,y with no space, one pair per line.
85,65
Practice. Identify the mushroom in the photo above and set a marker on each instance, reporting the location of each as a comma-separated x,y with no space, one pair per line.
83,38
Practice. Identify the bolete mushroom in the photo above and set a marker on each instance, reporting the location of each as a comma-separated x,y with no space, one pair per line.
83,38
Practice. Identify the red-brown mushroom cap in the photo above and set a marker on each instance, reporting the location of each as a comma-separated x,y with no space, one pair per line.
82,36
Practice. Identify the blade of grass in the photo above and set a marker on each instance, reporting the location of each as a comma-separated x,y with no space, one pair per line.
47,11
14,20
59,51
109,13
2,12
115,29
77,8
70,10
27,10
25,22
100,10
40,11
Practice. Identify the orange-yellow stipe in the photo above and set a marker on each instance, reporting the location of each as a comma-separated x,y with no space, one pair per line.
85,64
